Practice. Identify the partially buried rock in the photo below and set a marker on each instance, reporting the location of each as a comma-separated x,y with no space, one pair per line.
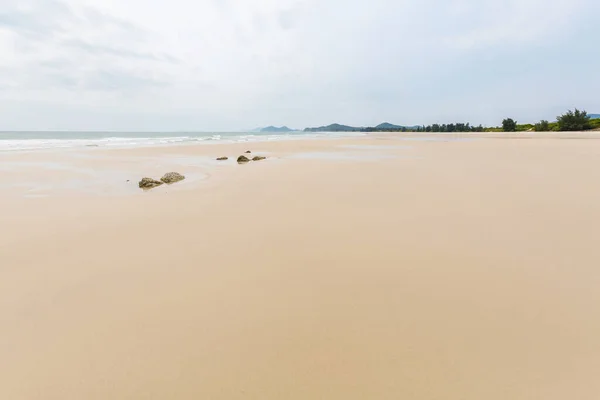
172,177
258,158
222,159
243,159
149,183
248,152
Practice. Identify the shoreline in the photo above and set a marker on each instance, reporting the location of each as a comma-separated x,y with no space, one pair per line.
128,140
104,170
41,141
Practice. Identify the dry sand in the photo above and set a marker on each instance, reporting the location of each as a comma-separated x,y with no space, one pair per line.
358,268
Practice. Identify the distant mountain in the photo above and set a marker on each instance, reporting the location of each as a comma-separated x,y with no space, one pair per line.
594,116
387,125
334,128
276,129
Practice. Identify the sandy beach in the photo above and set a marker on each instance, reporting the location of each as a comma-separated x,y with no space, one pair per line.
377,267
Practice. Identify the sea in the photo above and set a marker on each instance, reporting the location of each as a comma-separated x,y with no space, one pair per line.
31,141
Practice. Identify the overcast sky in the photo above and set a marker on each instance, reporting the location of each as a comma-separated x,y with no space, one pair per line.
240,64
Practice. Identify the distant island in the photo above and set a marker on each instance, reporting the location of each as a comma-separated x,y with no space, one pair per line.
276,129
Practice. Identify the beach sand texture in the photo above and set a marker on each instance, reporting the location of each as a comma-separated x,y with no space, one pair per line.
359,268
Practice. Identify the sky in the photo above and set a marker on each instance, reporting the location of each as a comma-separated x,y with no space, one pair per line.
229,65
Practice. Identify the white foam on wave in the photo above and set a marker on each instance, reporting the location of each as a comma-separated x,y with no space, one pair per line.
36,144
43,144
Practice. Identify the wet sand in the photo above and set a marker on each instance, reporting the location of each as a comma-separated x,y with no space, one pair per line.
380,267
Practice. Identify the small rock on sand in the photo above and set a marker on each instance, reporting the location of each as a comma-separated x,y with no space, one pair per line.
149,183
248,152
243,159
172,177
258,158
222,159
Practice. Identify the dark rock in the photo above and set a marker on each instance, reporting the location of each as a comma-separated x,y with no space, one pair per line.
149,183
172,177
243,159
248,152
258,158
222,159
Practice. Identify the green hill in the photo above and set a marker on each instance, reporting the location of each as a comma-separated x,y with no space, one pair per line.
276,129
387,125
334,128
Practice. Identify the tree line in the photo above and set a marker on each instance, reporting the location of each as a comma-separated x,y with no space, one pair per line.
455,127
576,120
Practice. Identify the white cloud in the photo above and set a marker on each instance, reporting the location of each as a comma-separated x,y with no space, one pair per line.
228,64
510,22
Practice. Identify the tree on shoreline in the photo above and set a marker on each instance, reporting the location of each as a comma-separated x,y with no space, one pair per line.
542,126
574,121
509,125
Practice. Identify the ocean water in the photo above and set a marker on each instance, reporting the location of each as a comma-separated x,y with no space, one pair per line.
30,141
